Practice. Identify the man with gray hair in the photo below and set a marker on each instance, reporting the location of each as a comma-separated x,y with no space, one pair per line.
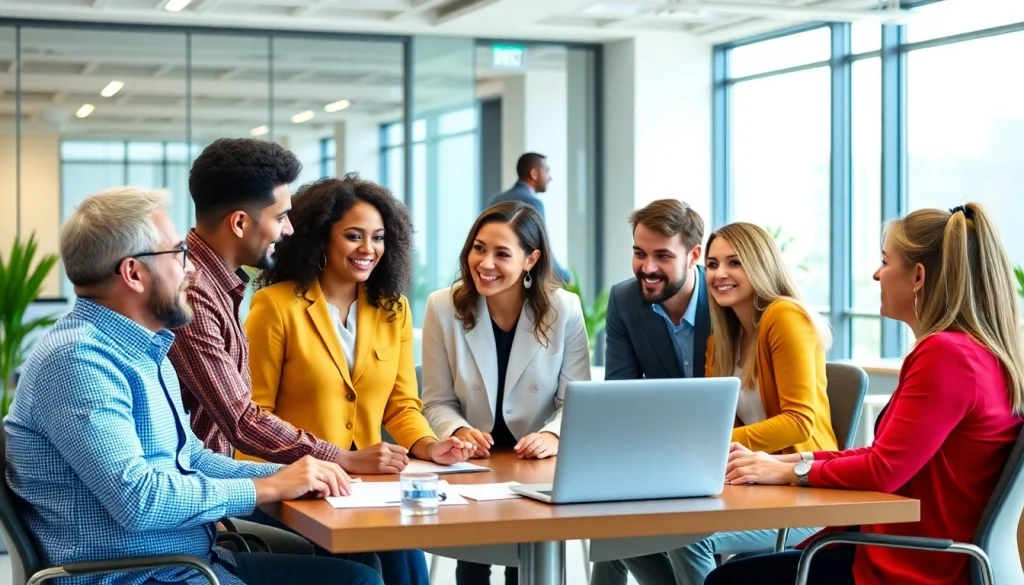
98,443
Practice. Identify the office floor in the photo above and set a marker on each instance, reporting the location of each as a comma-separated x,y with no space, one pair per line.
445,569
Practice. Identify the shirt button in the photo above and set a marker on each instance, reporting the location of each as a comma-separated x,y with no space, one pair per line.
351,396
476,388
534,388
349,426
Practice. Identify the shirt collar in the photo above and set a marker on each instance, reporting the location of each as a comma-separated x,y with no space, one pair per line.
690,314
206,260
122,330
521,183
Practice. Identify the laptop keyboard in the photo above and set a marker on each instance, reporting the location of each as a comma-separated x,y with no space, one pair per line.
545,492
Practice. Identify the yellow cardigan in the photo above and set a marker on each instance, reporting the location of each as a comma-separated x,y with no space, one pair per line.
299,371
791,379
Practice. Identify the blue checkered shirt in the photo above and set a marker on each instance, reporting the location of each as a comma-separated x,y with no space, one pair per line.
100,447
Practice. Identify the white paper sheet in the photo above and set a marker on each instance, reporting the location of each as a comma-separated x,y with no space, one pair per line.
419,466
483,492
386,494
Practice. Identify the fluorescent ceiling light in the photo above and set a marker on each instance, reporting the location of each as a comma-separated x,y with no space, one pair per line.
337,106
176,5
112,88
303,117
85,110
259,131
702,8
615,9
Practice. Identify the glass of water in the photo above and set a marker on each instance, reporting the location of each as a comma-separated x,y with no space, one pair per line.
419,494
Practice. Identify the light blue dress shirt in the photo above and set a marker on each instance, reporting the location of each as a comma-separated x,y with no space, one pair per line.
682,334
100,447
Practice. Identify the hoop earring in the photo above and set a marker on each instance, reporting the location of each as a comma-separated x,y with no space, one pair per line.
323,261
527,280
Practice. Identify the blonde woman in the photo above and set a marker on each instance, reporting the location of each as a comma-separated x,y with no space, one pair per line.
764,334
955,414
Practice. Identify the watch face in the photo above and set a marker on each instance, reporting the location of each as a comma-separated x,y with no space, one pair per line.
802,468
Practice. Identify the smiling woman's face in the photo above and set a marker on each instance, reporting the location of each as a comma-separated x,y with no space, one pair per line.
356,244
497,261
725,276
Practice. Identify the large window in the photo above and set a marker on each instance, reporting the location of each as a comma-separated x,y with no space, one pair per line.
449,139
826,133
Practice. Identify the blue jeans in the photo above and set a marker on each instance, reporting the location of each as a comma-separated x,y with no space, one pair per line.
271,569
690,565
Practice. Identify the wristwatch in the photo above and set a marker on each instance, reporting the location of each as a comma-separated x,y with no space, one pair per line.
803,470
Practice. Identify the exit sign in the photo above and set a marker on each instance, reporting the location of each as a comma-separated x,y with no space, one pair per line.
507,56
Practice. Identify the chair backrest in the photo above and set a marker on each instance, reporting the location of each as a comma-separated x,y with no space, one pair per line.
847,386
997,531
419,379
25,559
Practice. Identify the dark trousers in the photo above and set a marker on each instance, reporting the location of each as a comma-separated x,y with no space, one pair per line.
271,569
398,567
467,573
832,566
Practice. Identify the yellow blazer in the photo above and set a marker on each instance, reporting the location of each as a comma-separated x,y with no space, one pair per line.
299,371
791,379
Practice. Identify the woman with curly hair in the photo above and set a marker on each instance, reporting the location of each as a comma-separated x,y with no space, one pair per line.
331,337
501,346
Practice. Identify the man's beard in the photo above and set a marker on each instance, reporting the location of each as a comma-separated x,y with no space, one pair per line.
670,289
265,261
169,309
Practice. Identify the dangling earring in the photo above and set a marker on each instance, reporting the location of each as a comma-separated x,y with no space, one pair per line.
527,280
916,316
323,261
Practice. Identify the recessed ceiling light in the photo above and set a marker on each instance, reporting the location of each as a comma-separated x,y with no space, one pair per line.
615,9
85,110
112,88
259,131
303,117
176,5
337,106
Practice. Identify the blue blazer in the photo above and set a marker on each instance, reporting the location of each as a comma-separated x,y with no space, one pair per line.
637,342
522,192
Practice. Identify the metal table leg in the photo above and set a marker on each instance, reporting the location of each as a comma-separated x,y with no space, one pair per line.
542,563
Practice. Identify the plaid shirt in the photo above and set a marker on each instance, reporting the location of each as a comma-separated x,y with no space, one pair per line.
211,356
100,448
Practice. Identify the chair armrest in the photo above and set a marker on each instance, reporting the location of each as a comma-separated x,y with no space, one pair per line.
125,565
236,539
892,541
889,540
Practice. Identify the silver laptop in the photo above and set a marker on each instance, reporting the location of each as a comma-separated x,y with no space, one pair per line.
641,440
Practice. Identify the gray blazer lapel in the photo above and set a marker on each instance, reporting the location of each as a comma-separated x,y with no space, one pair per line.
480,340
524,347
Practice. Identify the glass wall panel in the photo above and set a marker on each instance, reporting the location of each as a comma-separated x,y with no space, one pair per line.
9,208
951,17
866,212
100,109
445,180
965,131
330,97
779,53
780,169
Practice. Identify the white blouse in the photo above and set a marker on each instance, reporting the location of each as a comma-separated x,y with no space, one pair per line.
749,409
346,332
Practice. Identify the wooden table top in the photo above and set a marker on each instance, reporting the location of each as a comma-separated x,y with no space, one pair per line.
526,520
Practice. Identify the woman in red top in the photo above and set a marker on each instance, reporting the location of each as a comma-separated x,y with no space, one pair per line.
949,426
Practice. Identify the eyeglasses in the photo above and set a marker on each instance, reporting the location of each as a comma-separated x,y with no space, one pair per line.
182,249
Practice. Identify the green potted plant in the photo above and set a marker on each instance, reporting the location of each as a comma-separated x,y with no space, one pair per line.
593,312
1019,273
21,281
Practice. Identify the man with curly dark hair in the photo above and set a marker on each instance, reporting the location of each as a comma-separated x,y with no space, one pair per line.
331,337
242,198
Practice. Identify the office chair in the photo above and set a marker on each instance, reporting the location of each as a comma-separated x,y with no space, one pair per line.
26,564
995,544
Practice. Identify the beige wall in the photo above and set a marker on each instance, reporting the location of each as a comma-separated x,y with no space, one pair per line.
40,196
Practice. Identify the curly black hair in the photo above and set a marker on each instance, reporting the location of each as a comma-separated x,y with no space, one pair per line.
239,173
319,205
